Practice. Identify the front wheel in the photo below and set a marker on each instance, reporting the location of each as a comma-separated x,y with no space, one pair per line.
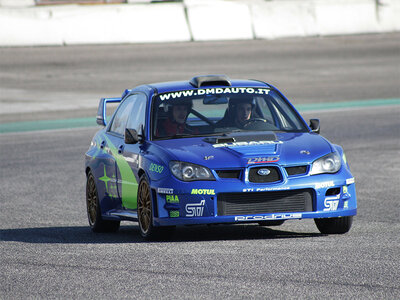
145,214
334,225
96,222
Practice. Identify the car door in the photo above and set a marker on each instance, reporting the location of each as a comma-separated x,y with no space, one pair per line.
124,178
127,155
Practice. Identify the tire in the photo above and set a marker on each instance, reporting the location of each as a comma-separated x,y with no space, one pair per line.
145,214
271,223
96,222
334,225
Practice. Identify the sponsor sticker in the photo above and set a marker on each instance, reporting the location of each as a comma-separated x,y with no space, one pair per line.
156,168
266,189
172,198
214,91
320,185
165,191
344,189
243,144
269,217
195,209
174,214
260,160
203,192
331,203
350,181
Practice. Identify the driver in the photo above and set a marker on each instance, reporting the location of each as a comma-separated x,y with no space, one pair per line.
240,110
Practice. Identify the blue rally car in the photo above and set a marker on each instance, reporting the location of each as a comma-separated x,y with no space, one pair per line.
213,150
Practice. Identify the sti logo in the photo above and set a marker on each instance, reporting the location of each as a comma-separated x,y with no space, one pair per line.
195,209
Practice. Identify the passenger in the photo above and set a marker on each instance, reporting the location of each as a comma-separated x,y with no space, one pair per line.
176,121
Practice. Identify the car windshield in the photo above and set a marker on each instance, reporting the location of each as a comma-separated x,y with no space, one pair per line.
215,111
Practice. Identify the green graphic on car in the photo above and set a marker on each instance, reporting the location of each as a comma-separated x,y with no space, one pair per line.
129,185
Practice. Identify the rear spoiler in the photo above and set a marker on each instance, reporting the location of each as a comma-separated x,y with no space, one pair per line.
101,117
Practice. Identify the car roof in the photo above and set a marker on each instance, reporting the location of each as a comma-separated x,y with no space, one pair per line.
207,81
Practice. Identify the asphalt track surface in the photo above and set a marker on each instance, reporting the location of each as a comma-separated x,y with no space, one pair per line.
48,251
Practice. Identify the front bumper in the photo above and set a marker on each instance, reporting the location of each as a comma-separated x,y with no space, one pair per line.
187,203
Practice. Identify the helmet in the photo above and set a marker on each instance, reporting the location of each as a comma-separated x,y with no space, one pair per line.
238,99
168,105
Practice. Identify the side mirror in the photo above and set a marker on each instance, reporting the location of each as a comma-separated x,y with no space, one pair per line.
314,125
131,136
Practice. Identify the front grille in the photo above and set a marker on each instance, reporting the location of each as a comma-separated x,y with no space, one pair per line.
296,170
273,176
228,173
230,204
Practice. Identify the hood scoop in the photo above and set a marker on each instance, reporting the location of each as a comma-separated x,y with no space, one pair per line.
247,144
220,140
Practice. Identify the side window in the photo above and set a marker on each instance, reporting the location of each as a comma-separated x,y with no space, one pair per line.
137,116
121,117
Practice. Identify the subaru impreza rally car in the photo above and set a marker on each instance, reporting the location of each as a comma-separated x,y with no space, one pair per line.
204,167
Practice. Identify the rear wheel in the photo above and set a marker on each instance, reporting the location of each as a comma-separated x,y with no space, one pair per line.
334,225
145,214
96,222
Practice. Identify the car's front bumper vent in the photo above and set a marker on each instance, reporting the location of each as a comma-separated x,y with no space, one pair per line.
230,204
298,170
225,174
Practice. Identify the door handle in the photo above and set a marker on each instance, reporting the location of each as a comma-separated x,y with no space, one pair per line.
120,149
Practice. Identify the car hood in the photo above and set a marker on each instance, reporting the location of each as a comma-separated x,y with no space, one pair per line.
242,149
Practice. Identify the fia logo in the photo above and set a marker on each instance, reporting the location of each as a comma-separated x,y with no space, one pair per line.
195,209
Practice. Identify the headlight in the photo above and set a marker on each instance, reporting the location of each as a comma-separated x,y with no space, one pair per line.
190,172
327,164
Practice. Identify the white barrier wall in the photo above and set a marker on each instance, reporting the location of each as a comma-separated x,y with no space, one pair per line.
388,15
28,27
17,3
124,24
197,20
283,19
337,17
73,24
219,20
